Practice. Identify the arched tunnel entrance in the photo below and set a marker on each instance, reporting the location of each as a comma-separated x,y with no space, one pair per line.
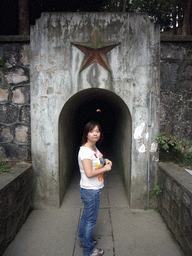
115,120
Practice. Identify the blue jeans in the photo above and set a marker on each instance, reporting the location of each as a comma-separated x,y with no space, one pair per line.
91,199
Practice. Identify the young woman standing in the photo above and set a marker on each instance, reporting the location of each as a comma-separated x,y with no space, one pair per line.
92,166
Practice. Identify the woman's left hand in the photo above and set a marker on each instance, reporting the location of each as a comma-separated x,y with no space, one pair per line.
107,161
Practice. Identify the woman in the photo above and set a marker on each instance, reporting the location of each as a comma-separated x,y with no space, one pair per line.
92,167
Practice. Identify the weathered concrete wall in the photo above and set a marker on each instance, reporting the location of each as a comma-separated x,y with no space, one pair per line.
15,201
15,101
175,203
56,78
176,89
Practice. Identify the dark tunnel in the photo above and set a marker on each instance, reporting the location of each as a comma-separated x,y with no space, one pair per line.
115,120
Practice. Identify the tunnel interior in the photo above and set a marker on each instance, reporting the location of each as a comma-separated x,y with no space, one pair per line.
110,111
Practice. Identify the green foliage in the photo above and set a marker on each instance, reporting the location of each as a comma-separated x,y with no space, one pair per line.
172,150
160,11
156,191
3,167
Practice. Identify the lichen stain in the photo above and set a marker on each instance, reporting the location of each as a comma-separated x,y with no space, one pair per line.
50,90
93,76
76,62
55,31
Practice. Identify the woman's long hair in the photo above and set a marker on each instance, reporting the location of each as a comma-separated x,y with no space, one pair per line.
89,127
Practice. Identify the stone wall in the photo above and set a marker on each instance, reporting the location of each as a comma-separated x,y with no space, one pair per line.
15,201
175,203
176,93
14,101
176,88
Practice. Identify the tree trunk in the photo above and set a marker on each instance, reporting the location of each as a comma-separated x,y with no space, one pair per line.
174,19
187,18
124,5
23,17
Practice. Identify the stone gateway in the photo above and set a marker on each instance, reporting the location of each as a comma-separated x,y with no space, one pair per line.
82,63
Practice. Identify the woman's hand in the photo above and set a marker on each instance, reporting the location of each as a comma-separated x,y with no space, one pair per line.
107,161
108,167
87,166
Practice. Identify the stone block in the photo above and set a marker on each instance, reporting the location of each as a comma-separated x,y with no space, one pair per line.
186,70
14,151
27,203
1,78
2,230
7,202
2,153
10,59
163,115
25,115
176,192
16,75
8,114
18,97
12,222
172,52
160,178
22,134
187,248
166,216
25,55
186,224
166,200
185,85
167,183
186,199
159,204
175,211
168,75
5,134
4,95
175,229
21,95
20,195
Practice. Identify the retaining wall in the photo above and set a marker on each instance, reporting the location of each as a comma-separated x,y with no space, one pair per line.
176,86
175,203
15,132
15,201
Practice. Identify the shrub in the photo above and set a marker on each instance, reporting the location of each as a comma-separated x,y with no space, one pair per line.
172,150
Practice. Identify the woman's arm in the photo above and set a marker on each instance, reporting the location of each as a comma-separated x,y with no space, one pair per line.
87,166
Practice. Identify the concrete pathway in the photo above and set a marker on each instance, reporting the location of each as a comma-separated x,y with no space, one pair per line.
120,230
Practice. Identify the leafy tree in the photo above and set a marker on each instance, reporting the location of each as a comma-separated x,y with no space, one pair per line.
187,17
167,13
23,17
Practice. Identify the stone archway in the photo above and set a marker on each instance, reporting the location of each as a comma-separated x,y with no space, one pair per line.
122,71
116,123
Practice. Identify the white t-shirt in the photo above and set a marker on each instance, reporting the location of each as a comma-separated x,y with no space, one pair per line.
96,182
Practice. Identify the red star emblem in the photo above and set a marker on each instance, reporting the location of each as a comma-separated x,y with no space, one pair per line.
95,50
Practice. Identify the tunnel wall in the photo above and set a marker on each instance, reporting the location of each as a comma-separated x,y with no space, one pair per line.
56,77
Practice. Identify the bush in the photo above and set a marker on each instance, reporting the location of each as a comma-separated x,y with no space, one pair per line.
3,167
172,150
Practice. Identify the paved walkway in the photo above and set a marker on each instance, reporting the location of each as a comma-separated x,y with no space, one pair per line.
120,230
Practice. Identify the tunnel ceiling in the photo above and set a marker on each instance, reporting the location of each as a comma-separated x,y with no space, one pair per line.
83,108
